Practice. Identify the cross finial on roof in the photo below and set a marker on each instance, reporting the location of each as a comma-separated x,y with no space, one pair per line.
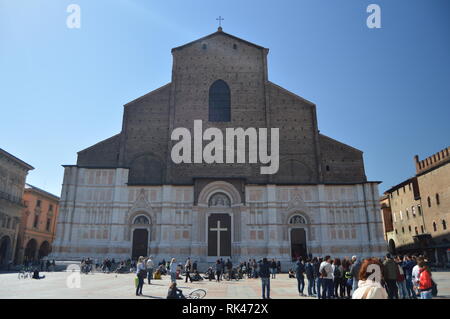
220,19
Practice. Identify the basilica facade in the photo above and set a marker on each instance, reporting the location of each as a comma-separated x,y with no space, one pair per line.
125,197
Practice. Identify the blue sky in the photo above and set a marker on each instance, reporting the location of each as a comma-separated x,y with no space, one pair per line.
385,91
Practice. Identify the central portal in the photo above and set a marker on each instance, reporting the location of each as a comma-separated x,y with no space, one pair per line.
219,235
298,243
140,243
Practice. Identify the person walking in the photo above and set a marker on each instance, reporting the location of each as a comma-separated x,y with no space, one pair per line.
173,270
326,272
309,271
264,273
425,282
299,274
150,266
187,269
141,273
390,275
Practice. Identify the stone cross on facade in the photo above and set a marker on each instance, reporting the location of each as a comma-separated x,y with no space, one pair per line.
218,230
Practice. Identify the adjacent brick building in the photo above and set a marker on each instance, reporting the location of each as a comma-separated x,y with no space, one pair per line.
38,224
416,212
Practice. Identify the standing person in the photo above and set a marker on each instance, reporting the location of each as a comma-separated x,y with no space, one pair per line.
173,270
264,273
187,268
194,266
279,267
408,266
338,276
229,266
401,282
255,268
218,270
354,271
150,266
249,269
326,271
347,281
425,282
299,274
318,283
309,270
273,268
415,275
390,275
369,289
141,273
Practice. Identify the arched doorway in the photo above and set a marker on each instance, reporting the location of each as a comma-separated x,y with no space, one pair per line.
298,237
5,250
30,250
44,250
140,236
219,226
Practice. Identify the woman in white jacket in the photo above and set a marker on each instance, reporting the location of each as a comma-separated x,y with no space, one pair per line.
370,277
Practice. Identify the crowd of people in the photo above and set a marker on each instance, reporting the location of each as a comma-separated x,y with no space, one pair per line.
393,277
399,277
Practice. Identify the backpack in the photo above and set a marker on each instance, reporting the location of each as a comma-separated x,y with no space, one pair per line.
434,290
337,272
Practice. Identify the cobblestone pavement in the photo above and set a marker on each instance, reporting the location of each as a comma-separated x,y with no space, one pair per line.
110,286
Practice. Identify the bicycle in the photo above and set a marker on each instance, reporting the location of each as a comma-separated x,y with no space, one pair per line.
25,273
196,294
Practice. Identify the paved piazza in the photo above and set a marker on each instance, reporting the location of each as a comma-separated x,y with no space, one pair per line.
110,286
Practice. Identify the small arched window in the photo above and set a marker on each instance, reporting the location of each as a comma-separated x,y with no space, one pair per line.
429,201
444,224
219,102
434,226
437,199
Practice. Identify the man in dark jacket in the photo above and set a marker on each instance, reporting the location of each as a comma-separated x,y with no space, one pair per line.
309,270
264,273
354,271
390,274
299,274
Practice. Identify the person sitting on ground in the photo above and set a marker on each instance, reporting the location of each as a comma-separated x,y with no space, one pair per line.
196,276
291,273
174,292
36,274
157,274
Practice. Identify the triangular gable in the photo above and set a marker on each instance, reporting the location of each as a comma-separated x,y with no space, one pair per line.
219,32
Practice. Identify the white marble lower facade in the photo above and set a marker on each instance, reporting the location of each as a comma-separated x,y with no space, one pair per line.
99,213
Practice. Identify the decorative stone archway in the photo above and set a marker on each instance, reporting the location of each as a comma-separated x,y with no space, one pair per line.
218,212
298,230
